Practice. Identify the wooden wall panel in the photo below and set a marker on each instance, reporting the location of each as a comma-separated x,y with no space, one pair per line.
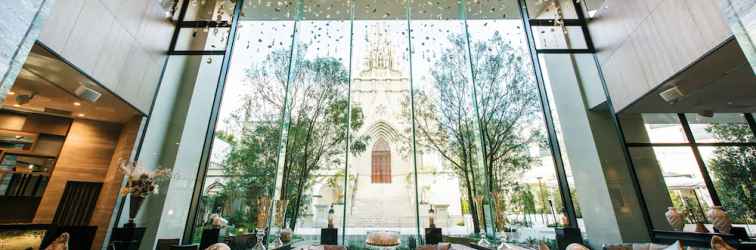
86,156
36,123
109,195
11,121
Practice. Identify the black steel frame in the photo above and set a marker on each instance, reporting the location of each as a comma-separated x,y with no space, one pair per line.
556,153
664,236
554,145
217,99
694,146
581,22
182,24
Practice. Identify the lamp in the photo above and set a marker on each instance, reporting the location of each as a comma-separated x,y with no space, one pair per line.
432,217
330,217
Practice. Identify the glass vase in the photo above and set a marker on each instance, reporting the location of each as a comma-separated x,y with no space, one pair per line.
260,236
481,222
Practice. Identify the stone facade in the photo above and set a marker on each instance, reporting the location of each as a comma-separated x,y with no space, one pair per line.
381,90
741,16
18,32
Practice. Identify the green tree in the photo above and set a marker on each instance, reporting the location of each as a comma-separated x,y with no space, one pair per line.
314,95
507,104
734,171
252,164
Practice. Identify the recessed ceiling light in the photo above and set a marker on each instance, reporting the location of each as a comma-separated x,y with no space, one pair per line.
11,93
81,115
16,105
77,104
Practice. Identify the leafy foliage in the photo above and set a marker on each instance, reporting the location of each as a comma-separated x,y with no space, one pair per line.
734,171
315,130
499,134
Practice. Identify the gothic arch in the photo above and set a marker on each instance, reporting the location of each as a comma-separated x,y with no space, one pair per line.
381,162
382,129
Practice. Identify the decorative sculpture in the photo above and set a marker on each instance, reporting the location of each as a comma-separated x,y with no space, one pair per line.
717,243
218,246
263,206
482,222
675,219
217,222
431,217
278,221
719,219
331,213
60,243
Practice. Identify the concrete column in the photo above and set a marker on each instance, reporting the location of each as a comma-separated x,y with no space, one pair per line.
185,143
609,204
741,16
175,137
20,24
649,172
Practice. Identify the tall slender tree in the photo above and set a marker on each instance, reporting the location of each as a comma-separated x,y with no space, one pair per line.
313,93
734,171
506,123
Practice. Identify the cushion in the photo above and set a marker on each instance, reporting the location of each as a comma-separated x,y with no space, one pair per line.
60,243
322,247
218,246
543,246
576,246
439,246
507,246
717,243
677,246
619,247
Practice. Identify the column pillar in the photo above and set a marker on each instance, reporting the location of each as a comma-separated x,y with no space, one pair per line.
175,134
741,16
609,204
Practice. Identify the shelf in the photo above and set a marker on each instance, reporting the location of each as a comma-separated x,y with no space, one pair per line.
2,171
27,153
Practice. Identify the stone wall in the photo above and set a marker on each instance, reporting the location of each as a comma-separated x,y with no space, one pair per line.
741,16
643,43
122,44
19,28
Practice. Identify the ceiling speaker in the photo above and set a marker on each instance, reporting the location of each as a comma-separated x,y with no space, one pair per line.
87,93
24,99
672,95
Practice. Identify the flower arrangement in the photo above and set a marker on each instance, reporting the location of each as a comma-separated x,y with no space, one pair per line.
141,184
141,181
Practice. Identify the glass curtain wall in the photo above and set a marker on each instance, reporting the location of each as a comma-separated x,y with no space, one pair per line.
560,42
705,160
386,113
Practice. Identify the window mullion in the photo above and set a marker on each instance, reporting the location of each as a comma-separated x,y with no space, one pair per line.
699,159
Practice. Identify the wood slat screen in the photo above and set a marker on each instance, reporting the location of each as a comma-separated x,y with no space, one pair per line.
77,204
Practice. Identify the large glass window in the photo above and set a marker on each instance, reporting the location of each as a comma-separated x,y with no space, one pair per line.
516,151
720,128
733,169
702,160
382,113
653,128
243,163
